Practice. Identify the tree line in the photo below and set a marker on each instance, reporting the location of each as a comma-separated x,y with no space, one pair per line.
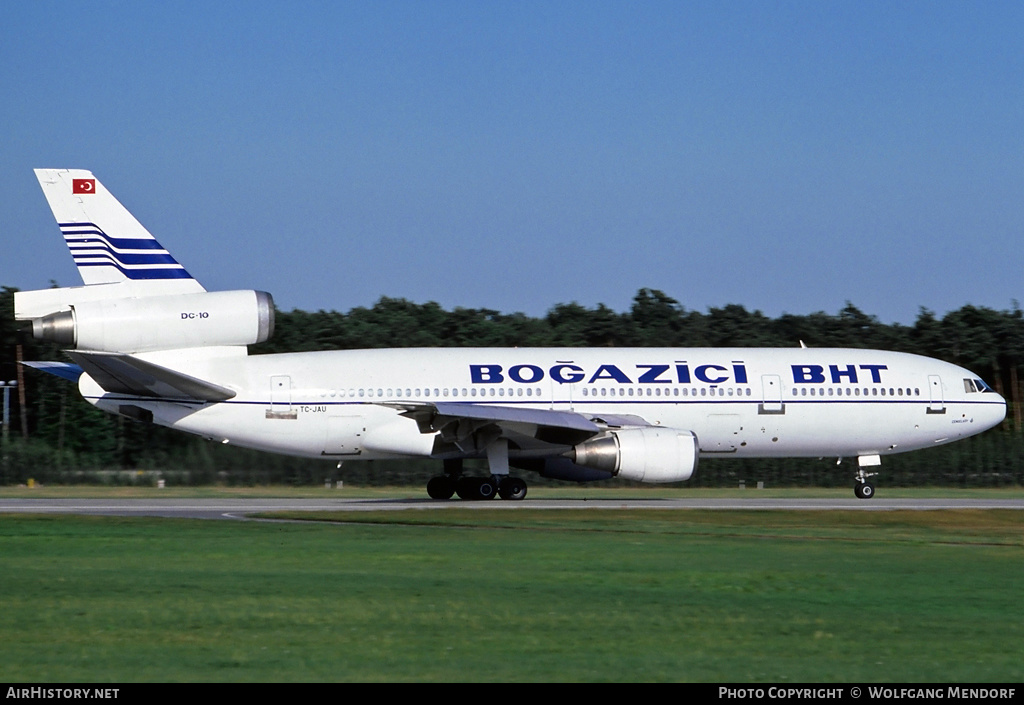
55,436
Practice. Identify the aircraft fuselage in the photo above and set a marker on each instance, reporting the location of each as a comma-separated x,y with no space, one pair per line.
740,402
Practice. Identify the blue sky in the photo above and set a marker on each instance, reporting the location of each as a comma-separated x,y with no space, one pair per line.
786,156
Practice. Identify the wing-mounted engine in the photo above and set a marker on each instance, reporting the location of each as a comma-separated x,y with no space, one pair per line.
560,444
645,454
141,324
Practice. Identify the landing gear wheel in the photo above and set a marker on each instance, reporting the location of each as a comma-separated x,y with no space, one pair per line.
441,487
864,490
486,488
470,488
512,488
465,487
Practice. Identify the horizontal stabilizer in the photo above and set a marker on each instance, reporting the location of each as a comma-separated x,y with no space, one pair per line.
64,370
119,373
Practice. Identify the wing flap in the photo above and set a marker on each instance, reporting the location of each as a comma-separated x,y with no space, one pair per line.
119,373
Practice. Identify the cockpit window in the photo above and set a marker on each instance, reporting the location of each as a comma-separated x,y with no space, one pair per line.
976,385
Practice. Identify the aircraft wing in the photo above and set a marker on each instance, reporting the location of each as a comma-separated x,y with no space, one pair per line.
119,373
470,426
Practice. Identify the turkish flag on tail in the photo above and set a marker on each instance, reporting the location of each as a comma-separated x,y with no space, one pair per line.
83,186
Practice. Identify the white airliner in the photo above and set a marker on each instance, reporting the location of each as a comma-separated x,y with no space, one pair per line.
150,343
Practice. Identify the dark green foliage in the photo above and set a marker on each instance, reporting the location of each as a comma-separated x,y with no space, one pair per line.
70,441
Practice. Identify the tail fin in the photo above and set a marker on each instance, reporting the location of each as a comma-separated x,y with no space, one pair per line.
108,244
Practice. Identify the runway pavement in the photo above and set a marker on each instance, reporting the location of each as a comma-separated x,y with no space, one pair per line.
235,508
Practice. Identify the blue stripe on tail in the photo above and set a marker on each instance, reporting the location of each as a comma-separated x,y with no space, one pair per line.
136,258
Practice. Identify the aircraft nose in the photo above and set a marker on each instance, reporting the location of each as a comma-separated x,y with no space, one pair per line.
995,411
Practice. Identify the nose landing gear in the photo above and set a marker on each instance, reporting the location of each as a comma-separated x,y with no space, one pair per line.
862,488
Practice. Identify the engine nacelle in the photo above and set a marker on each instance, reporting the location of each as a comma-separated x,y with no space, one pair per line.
143,324
560,469
647,454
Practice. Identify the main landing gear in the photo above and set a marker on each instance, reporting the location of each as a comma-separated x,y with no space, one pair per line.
476,488
499,484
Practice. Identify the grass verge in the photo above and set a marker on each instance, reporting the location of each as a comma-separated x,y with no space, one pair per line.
550,595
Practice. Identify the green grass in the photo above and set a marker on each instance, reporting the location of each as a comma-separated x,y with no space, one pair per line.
482,595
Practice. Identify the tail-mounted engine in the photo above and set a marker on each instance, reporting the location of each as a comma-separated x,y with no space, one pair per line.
161,322
646,454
